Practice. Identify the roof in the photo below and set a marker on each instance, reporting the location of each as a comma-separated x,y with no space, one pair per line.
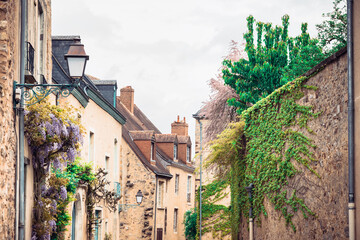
166,138
184,139
142,135
66,37
139,127
96,81
87,89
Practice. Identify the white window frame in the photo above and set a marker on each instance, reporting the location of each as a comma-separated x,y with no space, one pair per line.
188,189
177,179
176,220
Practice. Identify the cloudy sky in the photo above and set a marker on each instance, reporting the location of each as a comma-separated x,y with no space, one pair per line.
168,50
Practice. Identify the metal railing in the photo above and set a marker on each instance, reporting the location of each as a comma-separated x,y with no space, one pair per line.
30,52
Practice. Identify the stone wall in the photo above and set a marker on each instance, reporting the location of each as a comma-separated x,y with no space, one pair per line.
9,59
136,221
326,196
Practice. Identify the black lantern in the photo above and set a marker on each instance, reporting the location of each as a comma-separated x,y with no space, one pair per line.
139,197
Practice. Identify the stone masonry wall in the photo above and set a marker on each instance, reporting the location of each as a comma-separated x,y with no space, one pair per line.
9,58
326,196
136,222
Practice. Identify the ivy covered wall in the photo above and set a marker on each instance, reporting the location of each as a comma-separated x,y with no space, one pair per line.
296,155
292,146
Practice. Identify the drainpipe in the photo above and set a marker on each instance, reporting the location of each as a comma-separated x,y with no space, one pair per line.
21,165
156,190
200,200
350,52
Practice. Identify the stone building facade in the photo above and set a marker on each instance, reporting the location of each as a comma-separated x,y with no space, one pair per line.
160,166
37,34
9,72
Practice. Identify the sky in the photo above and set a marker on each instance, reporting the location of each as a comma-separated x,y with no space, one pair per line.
168,50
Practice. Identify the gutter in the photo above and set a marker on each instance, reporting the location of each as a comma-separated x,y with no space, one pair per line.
350,53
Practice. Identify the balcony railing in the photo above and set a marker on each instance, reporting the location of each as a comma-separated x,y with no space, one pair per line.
30,52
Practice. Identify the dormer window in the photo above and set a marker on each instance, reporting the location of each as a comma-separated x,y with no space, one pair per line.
152,150
175,151
188,154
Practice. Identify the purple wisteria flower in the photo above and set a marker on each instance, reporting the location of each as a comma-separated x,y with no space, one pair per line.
52,224
63,193
71,154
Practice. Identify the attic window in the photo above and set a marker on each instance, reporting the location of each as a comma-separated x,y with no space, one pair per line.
152,150
188,154
175,151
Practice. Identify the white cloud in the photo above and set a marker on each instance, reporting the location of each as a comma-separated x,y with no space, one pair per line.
166,49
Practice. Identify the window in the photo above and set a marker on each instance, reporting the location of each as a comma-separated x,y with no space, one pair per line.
188,154
175,219
161,194
176,183
107,164
152,152
97,225
116,161
188,195
175,151
91,147
40,42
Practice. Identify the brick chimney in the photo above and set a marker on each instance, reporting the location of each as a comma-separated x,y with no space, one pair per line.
180,127
127,98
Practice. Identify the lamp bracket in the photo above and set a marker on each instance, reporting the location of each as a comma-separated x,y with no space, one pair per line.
34,93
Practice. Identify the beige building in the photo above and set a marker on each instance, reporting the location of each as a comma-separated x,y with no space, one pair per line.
160,166
94,101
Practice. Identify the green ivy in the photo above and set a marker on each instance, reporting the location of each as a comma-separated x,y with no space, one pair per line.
274,140
220,225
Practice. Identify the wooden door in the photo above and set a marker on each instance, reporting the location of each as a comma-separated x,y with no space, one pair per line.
159,234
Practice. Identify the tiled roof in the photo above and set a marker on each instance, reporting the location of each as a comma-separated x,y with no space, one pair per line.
166,138
137,123
184,139
142,135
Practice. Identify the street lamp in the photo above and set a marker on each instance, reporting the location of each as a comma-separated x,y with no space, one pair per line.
139,197
249,189
26,94
30,94
76,59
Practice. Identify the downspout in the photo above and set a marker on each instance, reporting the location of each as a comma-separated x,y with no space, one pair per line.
200,198
350,52
156,190
21,225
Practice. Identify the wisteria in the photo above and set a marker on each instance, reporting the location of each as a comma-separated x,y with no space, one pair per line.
54,136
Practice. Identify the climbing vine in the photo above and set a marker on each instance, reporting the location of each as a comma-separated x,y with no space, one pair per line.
274,146
215,217
54,137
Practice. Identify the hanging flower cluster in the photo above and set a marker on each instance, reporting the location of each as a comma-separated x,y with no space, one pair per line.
54,136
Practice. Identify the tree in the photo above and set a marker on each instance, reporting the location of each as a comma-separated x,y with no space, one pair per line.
190,224
333,31
275,60
216,110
